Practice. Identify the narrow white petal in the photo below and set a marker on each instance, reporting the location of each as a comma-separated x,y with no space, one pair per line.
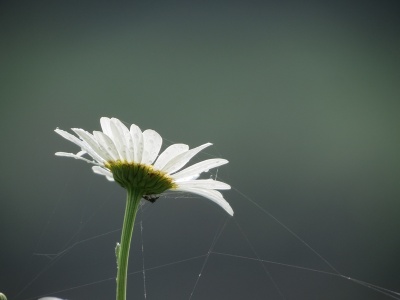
118,138
102,147
204,184
104,172
95,150
81,153
84,146
212,195
70,137
188,178
76,156
182,159
130,147
137,139
105,126
107,144
168,154
127,139
199,168
152,142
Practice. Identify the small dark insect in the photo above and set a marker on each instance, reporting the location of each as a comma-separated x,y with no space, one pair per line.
151,198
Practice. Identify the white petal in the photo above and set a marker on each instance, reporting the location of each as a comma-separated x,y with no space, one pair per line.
85,146
118,138
69,137
204,184
94,150
127,139
188,178
182,159
152,142
107,144
105,126
212,195
81,153
102,171
198,168
137,139
76,156
168,154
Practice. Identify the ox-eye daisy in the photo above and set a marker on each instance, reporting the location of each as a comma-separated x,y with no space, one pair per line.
130,157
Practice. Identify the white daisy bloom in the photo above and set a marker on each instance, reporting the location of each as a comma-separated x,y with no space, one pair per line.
131,158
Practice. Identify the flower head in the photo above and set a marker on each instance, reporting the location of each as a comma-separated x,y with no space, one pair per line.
131,158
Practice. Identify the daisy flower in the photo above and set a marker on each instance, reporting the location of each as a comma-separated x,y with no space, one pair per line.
131,158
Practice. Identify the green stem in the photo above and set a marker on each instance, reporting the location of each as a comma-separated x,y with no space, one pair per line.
122,250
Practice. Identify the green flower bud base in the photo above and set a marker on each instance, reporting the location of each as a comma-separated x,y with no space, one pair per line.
141,177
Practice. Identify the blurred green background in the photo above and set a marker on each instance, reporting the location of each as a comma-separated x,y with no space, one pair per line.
301,97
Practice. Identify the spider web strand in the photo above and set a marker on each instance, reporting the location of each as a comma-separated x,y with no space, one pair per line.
216,237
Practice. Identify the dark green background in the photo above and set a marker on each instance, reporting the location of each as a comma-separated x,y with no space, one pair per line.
301,97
